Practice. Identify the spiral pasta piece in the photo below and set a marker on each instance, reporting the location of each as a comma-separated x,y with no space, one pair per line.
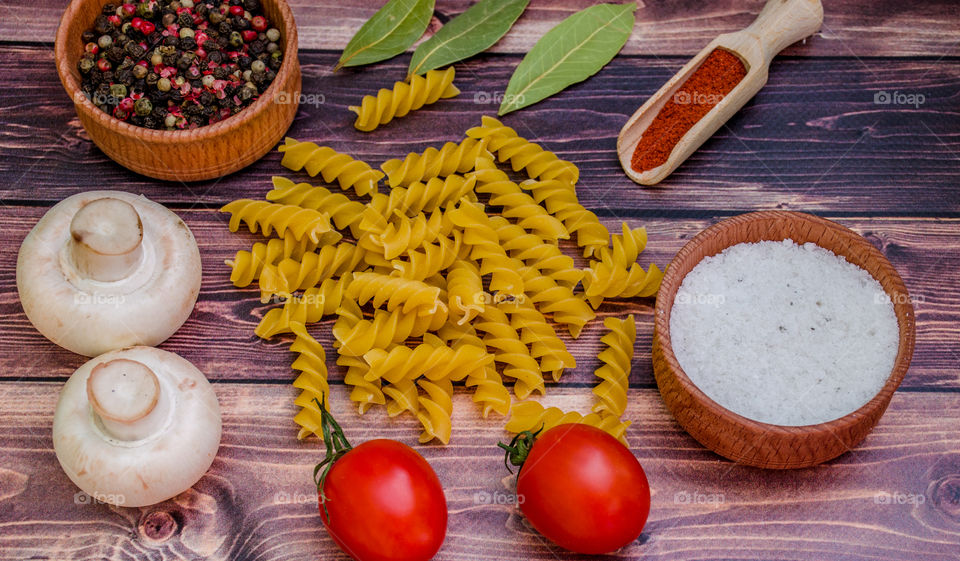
539,335
488,388
246,266
382,108
343,212
436,409
402,396
551,298
431,259
348,172
532,250
449,159
510,351
411,296
363,392
312,381
465,294
431,359
523,154
403,233
614,374
301,223
560,200
356,337
518,205
617,274
316,302
291,275
478,233
532,416
418,198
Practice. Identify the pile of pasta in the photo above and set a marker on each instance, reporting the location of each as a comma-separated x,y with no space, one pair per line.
429,289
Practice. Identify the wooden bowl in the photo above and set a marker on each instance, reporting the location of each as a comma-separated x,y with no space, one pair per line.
751,442
194,154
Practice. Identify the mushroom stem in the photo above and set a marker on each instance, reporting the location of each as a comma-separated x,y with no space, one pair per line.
127,399
106,239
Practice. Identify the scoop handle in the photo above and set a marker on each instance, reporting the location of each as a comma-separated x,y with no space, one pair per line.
784,22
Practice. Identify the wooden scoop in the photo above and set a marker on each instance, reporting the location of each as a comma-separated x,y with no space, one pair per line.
780,23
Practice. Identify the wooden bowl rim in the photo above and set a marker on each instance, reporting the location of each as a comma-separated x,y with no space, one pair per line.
70,83
671,283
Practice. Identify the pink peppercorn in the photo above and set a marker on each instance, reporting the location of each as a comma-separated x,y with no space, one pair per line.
236,10
136,22
201,38
129,9
259,23
248,35
115,20
103,65
202,54
147,28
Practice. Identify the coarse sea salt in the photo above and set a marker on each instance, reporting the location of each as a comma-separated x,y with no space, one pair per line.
783,333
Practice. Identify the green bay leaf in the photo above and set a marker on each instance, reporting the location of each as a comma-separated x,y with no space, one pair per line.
472,32
389,32
575,49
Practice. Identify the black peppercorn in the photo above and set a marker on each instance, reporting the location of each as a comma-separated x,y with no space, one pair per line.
124,76
206,98
251,5
188,44
244,62
135,50
102,25
86,65
185,60
115,55
256,47
240,23
88,36
171,41
109,9
214,56
185,20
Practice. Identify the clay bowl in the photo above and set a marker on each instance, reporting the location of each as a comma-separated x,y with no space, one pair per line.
751,442
187,155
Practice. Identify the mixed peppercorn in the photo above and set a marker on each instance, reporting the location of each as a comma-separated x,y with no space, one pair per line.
179,64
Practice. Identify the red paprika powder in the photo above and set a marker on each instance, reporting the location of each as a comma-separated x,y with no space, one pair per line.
716,76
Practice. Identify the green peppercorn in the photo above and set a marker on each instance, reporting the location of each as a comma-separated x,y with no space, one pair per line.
139,72
273,34
186,32
208,81
272,47
170,121
118,91
215,17
86,65
126,28
144,10
236,40
105,41
186,3
142,107
257,66
156,59
163,84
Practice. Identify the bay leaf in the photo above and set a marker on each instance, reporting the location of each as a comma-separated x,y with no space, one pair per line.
472,32
575,49
389,32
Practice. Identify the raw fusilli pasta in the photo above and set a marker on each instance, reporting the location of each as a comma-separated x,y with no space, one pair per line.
465,294
617,275
246,266
312,381
449,159
523,154
431,359
614,374
301,223
488,388
560,199
516,204
532,250
540,337
436,408
551,298
332,165
356,337
510,351
313,304
343,212
532,416
291,275
382,108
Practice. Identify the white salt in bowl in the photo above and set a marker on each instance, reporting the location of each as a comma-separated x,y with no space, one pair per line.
745,440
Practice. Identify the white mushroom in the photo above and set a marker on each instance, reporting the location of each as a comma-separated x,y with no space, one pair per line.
104,270
136,426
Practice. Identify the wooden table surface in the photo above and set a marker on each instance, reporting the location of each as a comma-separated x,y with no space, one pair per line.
813,140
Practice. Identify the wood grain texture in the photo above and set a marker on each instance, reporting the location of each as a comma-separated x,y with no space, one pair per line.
851,27
794,147
258,502
219,337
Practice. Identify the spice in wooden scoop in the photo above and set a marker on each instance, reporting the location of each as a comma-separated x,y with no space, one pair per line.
719,73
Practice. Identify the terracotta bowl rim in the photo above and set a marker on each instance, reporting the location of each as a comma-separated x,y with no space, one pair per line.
672,281
68,78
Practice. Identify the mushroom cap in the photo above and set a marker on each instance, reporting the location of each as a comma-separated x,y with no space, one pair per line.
156,467
90,317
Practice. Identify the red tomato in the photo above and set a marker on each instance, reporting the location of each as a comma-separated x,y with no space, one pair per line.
583,490
385,504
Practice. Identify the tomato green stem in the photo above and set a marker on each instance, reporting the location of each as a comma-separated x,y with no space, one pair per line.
337,446
519,448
